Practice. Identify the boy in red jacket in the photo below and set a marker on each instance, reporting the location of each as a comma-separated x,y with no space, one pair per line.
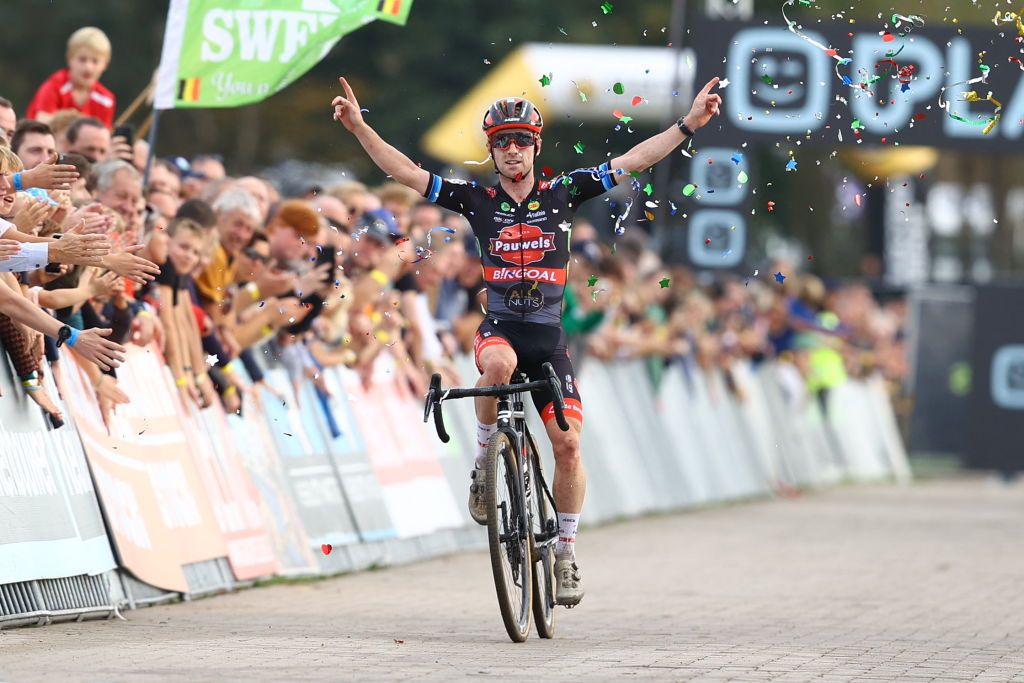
78,86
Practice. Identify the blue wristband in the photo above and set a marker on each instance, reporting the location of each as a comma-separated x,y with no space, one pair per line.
73,338
16,179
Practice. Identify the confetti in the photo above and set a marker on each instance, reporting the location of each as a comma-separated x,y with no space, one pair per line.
545,80
212,360
607,7
326,548
689,190
579,147
648,189
771,206
780,278
743,177
591,281
618,89
791,166
664,282
636,100
737,158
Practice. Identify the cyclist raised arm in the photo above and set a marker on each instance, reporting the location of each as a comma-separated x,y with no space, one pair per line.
387,158
655,148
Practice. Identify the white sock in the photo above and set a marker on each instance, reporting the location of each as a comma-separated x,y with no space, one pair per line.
565,547
483,435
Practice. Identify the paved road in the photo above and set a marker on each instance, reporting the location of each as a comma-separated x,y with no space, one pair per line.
877,583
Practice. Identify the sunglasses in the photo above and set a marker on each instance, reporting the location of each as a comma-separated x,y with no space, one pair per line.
255,255
521,140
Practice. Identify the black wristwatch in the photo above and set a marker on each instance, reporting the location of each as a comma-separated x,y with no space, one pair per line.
63,335
681,124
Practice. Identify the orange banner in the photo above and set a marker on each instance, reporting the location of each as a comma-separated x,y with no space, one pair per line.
148,483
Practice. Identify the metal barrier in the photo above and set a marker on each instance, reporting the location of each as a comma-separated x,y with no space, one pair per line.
203,503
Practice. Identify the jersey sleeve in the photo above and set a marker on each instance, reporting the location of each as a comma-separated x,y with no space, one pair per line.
454,195
587,183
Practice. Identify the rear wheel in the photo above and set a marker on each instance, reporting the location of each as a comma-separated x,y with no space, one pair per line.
544,555
508,537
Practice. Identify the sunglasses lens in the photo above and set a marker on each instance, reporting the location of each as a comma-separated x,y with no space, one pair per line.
504,140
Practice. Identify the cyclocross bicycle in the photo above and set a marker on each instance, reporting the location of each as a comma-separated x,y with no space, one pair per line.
521,515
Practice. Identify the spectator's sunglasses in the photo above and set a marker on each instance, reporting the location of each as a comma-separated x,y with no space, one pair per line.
520,138
255,255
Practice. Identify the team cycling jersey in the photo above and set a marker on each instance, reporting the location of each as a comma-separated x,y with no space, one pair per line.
524,246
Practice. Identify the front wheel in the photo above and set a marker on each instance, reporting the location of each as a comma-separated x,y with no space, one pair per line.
508,536
542,521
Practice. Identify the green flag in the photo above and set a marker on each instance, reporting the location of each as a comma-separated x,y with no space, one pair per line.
218,55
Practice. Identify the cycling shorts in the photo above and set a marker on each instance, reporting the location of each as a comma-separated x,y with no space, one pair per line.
534,345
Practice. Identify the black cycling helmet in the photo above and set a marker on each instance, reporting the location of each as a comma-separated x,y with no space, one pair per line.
512,112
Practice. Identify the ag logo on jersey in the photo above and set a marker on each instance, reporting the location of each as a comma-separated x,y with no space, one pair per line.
524,297
522,244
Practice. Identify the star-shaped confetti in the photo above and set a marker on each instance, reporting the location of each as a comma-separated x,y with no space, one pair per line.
579,147
648,189
607,7
212,360
724,83
664,282
583,96
780,278
768,80
545,80
791,166
737,158
591,281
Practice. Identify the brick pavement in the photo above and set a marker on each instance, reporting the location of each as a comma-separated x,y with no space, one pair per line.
862,584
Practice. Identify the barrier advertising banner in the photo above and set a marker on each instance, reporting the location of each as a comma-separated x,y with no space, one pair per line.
302,448
154,498
403,454
50,522
233,496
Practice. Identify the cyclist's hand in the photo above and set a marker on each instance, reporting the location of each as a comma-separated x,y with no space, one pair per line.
346,109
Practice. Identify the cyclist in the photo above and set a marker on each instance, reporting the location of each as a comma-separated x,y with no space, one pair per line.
523,226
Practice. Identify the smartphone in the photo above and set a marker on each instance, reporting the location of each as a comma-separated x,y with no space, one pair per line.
52,268
127,132
326,255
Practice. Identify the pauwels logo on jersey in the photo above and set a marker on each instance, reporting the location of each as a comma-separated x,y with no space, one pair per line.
522,244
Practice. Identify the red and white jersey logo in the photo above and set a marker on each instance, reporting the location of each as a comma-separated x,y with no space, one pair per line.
553,276
522,244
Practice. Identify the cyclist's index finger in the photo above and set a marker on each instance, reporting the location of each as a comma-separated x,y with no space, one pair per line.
711,84
348,89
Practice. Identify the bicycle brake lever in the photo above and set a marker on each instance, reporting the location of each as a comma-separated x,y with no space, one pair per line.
559,402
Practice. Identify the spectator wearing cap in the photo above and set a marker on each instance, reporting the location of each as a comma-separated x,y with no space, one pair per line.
78,86
8,119
90,138
197,175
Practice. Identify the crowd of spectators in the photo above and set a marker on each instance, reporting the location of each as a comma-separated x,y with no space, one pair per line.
212,267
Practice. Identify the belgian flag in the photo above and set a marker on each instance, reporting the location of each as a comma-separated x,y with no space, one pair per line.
392,7
188,89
